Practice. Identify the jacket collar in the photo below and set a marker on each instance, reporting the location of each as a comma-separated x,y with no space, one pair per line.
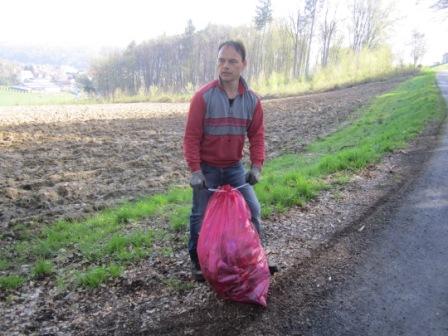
242,85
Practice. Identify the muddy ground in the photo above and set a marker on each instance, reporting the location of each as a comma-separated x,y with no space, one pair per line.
59,162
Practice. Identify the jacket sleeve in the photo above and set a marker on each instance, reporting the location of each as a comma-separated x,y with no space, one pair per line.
255,134
193,132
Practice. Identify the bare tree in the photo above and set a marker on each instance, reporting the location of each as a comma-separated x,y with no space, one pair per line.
297,26
327,31
418,47
263,16
183,62
369,23
310,12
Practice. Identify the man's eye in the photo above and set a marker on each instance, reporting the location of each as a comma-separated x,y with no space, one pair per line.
223,61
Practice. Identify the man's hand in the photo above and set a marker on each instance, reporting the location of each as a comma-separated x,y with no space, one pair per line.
253,175
197,180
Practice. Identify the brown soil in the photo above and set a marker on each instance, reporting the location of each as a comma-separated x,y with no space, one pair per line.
66,162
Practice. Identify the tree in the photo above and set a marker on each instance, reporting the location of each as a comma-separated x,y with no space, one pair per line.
418,47
263,16
190,28
310,13
183,62
85,83
369,23
297,30
327,31
131,75
186,55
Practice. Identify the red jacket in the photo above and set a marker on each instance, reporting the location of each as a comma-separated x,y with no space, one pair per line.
216,130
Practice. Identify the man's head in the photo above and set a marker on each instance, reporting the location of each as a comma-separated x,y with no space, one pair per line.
231,60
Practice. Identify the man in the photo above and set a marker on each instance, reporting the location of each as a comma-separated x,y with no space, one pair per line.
221,114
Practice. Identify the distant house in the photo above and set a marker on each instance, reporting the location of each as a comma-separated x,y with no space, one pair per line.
25,75
42,85
47,79
445,58
20,88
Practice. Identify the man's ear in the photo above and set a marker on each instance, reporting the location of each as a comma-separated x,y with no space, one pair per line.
244,64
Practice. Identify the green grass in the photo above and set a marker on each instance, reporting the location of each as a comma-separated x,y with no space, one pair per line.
95,276
442,67
42,268
112,235
10,97
178,285
4,264
11,282
387,124
132,231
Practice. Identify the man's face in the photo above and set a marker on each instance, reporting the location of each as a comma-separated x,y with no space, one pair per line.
230,64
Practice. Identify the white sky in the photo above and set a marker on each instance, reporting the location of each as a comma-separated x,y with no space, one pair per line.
117,22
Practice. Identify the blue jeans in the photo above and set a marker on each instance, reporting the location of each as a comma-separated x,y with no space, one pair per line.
215,177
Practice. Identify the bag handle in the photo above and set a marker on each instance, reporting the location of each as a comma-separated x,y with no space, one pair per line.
236,188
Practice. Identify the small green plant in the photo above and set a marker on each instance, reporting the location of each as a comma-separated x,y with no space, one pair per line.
179,218
61,283
341,178
42,268
133,246
115,271
94,277
4,264
117,243
11,281
177,284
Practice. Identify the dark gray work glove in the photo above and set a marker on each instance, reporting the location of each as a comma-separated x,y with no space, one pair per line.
197,180
253,175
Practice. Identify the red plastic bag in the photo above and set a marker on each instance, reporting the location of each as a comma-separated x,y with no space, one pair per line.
230,253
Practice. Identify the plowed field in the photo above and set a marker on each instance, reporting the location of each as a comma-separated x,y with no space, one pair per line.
65,161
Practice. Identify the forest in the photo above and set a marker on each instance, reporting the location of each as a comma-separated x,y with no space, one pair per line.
323,40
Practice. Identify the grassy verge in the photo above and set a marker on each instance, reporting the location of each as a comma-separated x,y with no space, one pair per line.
389,123
442,67
11,98
91,251
15,98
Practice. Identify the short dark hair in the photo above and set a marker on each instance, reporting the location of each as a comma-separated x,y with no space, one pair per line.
237,45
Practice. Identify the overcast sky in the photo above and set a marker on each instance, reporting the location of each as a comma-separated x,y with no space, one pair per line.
117,22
